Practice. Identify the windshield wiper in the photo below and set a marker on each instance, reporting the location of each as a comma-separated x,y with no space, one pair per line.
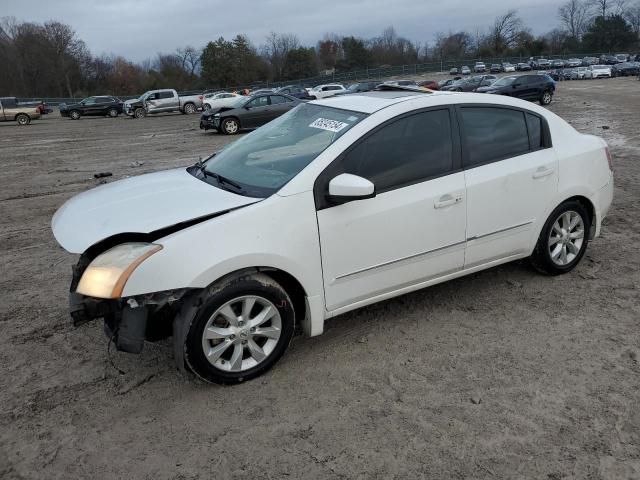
221,179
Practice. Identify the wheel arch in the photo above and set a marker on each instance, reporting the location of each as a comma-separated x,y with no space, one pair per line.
591,210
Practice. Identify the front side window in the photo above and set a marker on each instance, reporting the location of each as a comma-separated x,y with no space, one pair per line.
407,151
89,101
493,133
259,102
263,161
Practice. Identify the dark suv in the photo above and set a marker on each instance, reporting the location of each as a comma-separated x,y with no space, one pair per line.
470,84
528,87
105,106
295,91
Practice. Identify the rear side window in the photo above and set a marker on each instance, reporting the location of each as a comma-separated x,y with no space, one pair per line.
407,151
276,99
493,134
534,125
166,94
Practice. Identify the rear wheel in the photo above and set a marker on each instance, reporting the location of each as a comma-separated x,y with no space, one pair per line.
563,239
240,330
23,119
74,114
113,112
189,108
546,98
230,126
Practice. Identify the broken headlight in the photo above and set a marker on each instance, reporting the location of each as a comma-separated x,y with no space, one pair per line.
107,274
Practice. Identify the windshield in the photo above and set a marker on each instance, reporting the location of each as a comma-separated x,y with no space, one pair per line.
263,161
504,81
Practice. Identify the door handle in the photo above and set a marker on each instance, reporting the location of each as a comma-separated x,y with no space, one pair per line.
542,172
447,201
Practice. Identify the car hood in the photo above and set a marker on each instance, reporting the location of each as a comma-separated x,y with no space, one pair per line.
141,204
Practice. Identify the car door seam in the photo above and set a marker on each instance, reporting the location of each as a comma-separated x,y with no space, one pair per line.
478,237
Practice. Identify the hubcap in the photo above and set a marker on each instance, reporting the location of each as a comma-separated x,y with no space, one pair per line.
232,126
566,238
241,333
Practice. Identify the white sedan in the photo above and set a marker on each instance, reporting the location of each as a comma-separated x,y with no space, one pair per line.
333,206
219,100
598,71
325,91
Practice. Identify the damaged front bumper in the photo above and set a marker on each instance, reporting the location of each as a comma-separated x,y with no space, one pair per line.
128,322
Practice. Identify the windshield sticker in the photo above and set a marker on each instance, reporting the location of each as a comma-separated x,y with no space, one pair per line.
330,125
352,119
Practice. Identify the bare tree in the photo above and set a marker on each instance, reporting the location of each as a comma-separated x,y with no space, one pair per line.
574,15
276,48
189,59
609,7
632,15
504,31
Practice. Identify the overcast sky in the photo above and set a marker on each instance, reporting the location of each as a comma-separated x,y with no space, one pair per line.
138,29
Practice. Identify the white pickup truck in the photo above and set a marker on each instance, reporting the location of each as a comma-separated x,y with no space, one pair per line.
160,101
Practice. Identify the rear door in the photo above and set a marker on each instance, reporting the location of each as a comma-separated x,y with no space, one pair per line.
511,175
168,100
414,229
279,105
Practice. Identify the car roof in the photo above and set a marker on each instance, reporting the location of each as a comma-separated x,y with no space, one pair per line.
370,102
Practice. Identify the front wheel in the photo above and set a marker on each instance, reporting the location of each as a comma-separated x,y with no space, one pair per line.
230,126
75,115
563,239
23,119
240,330
206,107
139,113
546,98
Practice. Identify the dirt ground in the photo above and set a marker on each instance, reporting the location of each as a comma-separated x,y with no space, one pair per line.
502,374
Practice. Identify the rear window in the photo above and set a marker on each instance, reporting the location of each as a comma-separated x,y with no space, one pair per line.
493,134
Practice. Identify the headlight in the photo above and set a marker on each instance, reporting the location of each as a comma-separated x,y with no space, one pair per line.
217,115
107,274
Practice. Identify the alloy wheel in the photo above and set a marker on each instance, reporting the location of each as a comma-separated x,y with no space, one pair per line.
231,126
241,333
566,238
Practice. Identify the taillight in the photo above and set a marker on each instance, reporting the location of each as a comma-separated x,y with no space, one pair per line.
200,97
609,159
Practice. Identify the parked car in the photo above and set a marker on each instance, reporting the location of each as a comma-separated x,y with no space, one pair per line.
573,62
479,67
99,106
527,87
402,83
508,67
542,64
11,111
302,226
430,84
558,63
295,91
453,71
622,57
324,91
554,74
625,69
598,71
41,106
263,90
579,73
470,84
447,82
465,70
495,68
359,87
523,67
218,100
587,61
162,101
247,112
608,60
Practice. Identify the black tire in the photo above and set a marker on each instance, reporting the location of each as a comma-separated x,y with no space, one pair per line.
189,108
23,119
541,257
74,115
255,284
228,127
206,106
546,97
139,113
113,112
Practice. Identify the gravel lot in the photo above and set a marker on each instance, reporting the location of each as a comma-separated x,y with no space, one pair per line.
502,374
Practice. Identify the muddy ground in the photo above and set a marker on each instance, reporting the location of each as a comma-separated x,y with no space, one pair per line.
502,374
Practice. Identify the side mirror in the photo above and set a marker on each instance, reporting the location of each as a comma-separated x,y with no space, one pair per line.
347,187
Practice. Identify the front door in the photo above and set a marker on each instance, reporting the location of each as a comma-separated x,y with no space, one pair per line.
511,176
413,230
257,112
